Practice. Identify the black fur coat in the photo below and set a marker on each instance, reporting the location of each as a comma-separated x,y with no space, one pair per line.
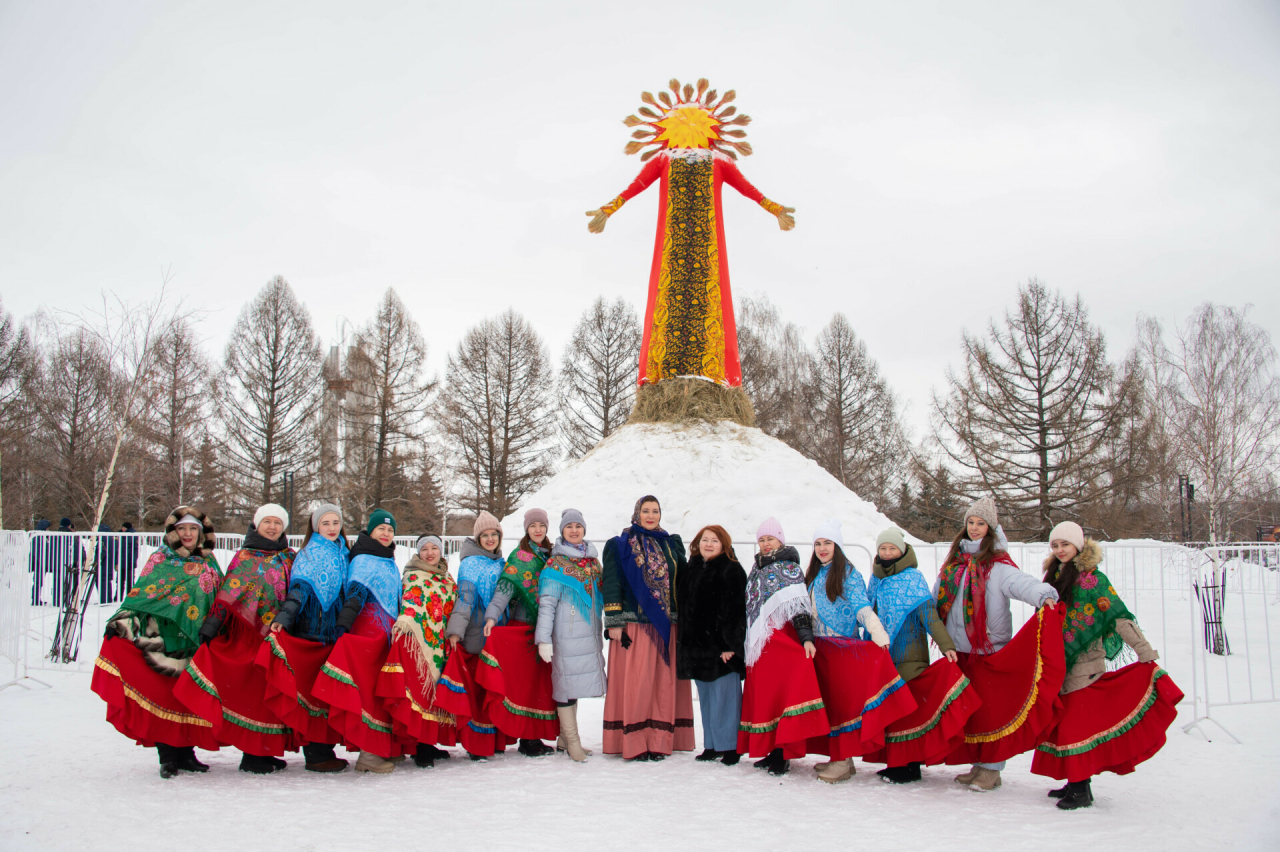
713,618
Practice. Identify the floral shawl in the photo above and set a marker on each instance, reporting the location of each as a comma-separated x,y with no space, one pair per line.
897,600
578,573
775,594
178,592
975,574
642,555
839,617
520,575
255,586
426,602
1095,609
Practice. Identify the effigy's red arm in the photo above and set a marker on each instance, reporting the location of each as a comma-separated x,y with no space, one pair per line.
651,172
738,181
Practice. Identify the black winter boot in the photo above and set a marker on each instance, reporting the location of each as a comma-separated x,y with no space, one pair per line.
187,760
168,760
438,753
535,748
767,761
730,758
901,774
257,764
423,756
320,758
708,754
778,765
1060,792
277,762
1079,795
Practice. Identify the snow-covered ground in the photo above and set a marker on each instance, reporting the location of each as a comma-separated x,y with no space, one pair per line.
69,781
703,474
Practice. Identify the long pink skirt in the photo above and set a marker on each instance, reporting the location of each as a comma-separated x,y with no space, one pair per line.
646,708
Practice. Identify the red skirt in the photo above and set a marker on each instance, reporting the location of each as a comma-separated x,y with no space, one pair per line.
224,687
1019,687
410,700
862,694
517,684
458,693
781,702
140,700
347,683
944,703
1111,725
291,666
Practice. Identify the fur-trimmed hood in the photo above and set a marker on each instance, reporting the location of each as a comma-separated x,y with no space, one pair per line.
207,541
1089,557
416,563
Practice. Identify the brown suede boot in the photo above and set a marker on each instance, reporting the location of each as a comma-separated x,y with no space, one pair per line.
837,771
569,731
985,781
966,778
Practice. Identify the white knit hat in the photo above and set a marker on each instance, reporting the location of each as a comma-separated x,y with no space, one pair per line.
985,508
270,510
830,530
1068,531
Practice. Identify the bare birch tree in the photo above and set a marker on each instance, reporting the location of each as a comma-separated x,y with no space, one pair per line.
386,408
1029,416
500,416
270,392
1216,388
598,374
858,434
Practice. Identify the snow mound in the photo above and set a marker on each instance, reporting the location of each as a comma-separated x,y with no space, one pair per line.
703,474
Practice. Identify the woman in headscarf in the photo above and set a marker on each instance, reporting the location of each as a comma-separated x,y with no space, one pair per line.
418,654
222,684
519,684
463,694
302,636
648,712
150,640
349,677
570,606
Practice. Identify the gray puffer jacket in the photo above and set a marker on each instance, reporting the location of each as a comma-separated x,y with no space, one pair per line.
467,620
1006,583
577,644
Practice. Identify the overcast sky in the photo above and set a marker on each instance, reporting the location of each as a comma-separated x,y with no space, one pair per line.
938,155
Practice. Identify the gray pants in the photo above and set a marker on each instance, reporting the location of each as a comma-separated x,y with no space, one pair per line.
720,702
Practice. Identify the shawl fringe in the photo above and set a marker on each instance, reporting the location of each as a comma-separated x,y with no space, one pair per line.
419,650
781,607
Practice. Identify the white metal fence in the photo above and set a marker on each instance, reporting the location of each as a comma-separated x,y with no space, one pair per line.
1162,584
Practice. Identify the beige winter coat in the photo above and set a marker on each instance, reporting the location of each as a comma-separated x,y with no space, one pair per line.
1092,664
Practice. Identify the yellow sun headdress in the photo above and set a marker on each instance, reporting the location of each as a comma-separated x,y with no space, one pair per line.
692,119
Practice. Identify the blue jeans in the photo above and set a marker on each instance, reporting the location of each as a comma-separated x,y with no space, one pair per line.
720,703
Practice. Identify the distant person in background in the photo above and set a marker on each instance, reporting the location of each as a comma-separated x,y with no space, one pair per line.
67,558
106,554
40,559
128,557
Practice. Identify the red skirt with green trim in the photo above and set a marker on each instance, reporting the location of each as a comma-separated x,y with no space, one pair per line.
781,702
459,693
1019,687
1111,725
517,684
410,699
223,686
944,703
348,682
862,694
140,700
291,666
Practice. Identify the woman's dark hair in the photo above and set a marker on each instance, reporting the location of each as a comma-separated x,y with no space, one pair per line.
726,543
835,577
1062,576
342,532
986,550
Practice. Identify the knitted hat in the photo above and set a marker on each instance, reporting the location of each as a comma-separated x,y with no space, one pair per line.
1068,531
428,539
571,516
377,518
535,516
484,523
770,526
893,536
830,530
985,508
324,509
270,510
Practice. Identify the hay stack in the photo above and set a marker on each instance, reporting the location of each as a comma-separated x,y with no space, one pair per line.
685,400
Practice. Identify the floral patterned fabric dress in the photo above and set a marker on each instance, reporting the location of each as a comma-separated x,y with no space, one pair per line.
418,656
222,684
150,639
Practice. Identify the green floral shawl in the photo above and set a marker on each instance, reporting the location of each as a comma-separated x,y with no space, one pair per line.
1095,608
178,592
